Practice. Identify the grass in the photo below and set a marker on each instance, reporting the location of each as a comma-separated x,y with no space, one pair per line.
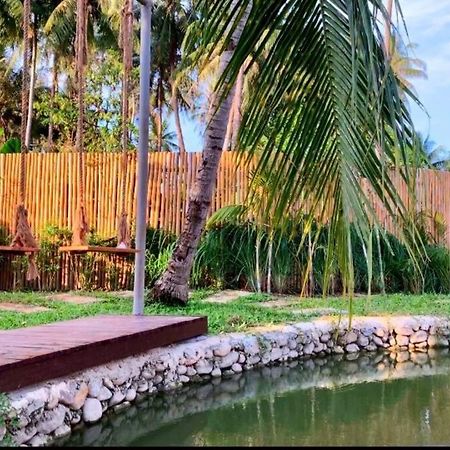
238,315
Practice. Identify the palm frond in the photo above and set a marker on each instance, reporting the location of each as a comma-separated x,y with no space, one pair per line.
324,113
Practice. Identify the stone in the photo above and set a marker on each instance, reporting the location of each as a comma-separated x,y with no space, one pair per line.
79,397
191,357
421,345
108,383
325,338
104,394
380,332
39,440
377,341
181,370
191,372
404,330
95,385
51,420
236,368
158,379
242,358
61,431
203,367
76,418
222,350
308,349
142,386
338,350
363,341
184,379
402,340
130,395
228,360
118,397
418,336
293,354
216,372
351,348
275,354
25,434
371,348
148,374
92,410
350,337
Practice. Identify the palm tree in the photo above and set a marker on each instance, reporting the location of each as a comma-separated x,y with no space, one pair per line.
329,95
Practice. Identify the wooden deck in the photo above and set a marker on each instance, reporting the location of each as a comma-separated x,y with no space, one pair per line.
35,354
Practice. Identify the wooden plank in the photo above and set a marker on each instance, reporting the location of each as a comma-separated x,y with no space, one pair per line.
95,248
35,354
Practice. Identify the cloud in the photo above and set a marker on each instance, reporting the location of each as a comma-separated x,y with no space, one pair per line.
433,14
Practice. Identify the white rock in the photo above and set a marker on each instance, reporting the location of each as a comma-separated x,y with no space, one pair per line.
351,348
203,367
228,360
276,354
92,410
308,348
62,431
148,374
158,379
242,358
130,395
222,350
402,357
363,341
437,341
216,372
350,337
184,379
118,397
181,370
142,386
325,337
236,368
104,394
293,354
377,341
338,350
418,336
51,420
191,372
95,385
40,440
402,340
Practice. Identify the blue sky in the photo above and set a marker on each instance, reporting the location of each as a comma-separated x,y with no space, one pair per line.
428,25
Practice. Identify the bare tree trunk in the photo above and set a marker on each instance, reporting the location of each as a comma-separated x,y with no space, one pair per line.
32,85
237,108
176,112
269,264
53,90
172,286
257,261
229,131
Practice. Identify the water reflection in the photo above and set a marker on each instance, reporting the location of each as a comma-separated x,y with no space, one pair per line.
335,401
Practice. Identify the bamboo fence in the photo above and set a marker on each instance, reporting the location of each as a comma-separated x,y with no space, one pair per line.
52,198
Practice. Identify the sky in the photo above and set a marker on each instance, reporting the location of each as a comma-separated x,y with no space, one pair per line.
428,26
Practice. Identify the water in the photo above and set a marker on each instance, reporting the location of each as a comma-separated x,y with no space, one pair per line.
366,401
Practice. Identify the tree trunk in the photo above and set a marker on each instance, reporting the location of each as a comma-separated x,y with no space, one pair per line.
229,131
172,286
32,84
269,264
387,29
176,112
53,90
237,108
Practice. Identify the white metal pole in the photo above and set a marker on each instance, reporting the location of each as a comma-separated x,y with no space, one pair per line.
142,156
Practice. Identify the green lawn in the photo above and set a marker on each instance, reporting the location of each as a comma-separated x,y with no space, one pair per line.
238,315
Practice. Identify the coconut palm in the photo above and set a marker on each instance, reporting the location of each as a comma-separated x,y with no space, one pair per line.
320,101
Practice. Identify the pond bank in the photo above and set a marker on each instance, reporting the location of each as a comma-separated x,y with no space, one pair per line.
51,410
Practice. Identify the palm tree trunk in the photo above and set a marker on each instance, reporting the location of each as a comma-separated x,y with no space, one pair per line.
32,85
387,29
237,106
53,91
176,112
269,264
229,131
172,286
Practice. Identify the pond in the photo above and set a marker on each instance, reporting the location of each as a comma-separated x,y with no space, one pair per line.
364,401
